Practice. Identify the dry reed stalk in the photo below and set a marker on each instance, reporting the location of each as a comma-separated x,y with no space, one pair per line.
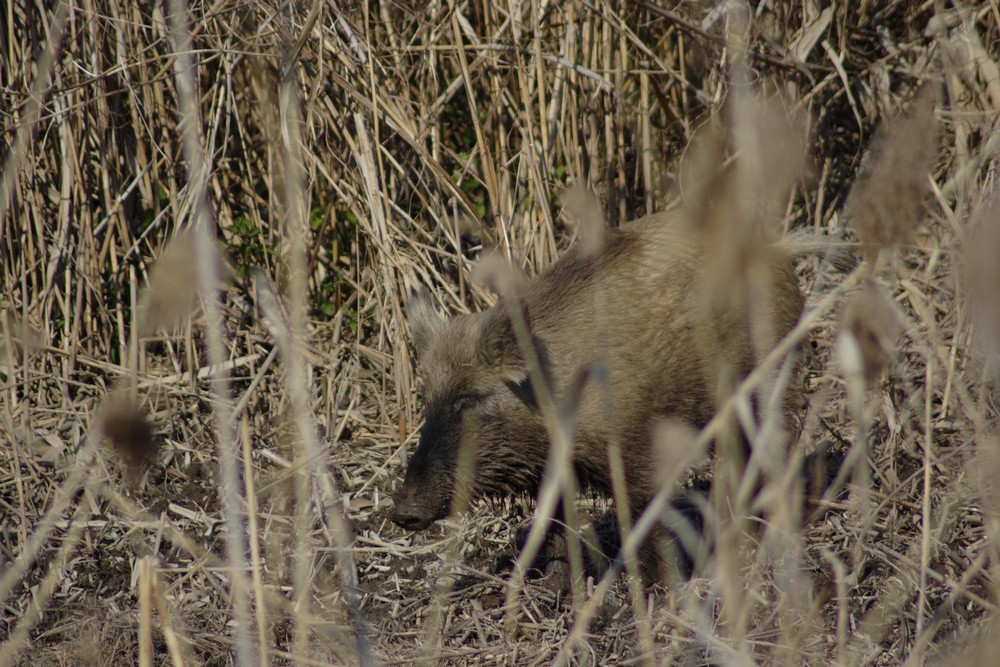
253,533
737,180
146,574
297,380
170,635
209,281
311,472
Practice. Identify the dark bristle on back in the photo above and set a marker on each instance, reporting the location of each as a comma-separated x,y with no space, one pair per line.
577,332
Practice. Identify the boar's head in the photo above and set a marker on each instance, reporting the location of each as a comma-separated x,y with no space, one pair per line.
477,395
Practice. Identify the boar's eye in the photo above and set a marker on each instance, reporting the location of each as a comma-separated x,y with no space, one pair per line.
463,403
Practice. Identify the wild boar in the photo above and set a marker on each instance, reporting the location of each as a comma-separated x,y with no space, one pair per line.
637,307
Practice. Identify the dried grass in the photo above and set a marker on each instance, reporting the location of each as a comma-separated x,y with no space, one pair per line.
343,155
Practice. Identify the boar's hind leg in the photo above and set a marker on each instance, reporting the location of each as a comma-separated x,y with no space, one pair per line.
822,469
670,553
677,546
680,545
552,557
599,545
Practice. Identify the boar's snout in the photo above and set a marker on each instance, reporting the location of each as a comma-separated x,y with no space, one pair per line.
410,513
411,517
426,492
417,506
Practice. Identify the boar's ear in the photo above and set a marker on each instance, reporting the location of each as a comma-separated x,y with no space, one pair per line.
498,346
424,320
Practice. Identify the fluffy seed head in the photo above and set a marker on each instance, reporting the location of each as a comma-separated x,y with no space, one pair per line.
869,331
172,291
127,428
887,200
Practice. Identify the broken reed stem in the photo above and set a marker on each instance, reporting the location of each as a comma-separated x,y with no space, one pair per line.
171,638
623,511
209,281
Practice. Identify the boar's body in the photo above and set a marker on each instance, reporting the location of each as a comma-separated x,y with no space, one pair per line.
637,308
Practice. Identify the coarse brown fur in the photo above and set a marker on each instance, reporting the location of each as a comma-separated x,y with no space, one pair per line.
639,309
